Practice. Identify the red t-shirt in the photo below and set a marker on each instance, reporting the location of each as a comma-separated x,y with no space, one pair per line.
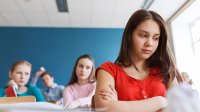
129,88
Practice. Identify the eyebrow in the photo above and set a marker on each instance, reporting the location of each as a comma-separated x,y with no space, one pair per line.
146,32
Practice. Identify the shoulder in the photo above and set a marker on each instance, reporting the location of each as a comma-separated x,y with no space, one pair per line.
93,84
33,88
109,67
60,86
70,87
2,92
1,89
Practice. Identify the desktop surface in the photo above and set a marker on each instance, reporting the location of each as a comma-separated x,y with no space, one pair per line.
40,107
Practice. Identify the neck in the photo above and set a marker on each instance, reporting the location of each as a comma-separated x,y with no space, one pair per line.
82,81
21,89
51,85
139,65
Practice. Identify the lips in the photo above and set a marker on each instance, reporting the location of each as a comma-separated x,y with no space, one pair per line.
146,51
21,82
82,74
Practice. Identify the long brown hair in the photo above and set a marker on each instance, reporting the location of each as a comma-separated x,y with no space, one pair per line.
162,57
74,77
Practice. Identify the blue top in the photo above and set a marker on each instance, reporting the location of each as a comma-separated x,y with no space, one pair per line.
2,92
54,93
32,91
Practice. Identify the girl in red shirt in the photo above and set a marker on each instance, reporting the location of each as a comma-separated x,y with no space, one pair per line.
143,71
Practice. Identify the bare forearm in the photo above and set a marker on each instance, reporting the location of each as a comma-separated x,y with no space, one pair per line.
34,81
149,105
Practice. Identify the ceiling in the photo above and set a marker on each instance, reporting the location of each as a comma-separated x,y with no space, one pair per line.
82,13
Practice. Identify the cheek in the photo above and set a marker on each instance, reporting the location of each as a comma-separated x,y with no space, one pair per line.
27,76
15,77
155,46
137,43
89,71
77,71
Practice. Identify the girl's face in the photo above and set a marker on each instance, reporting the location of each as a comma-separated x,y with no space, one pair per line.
20,74
84,68
145,39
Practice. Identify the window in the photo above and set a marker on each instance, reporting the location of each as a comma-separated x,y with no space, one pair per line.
195,26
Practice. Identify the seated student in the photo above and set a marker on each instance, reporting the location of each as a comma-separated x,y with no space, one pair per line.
20,73
54,93
82,85
139,78
182,98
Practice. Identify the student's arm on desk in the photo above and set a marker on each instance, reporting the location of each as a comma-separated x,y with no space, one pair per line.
104,80
85,102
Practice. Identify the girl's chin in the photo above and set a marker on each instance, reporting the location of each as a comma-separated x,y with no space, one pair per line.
146,56
84,78
21,84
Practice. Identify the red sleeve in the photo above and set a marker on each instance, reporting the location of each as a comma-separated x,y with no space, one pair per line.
109,67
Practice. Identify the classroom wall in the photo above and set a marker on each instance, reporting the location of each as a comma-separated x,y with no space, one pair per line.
56,48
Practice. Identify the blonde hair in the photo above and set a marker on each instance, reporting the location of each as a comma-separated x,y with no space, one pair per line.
14,65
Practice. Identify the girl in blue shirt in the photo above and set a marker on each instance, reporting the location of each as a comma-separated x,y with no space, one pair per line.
20,73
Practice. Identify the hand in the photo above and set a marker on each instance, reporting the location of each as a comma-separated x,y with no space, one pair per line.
162,101
162,110
58,102
72,105
11,83
109,95
39,72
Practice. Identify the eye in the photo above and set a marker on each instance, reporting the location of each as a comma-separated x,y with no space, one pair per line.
144,35
88,67
80,65
18,72
156,38
26,73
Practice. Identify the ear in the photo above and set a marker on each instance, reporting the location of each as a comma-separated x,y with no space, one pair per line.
10,74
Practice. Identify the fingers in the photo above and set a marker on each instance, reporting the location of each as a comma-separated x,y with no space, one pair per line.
113,89
72,105
69,105
66,105
107,95
39,73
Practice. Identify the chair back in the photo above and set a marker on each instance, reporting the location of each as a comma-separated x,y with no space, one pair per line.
92,103
17,99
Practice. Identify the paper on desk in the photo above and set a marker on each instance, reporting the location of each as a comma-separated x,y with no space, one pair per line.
30,106
41,107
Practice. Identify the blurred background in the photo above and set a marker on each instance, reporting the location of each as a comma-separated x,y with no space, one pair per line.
53,33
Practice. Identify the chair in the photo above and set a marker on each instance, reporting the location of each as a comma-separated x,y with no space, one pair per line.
92,103
17,99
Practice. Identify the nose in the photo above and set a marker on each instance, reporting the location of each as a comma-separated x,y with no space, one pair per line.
84,69
149,42
22,76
